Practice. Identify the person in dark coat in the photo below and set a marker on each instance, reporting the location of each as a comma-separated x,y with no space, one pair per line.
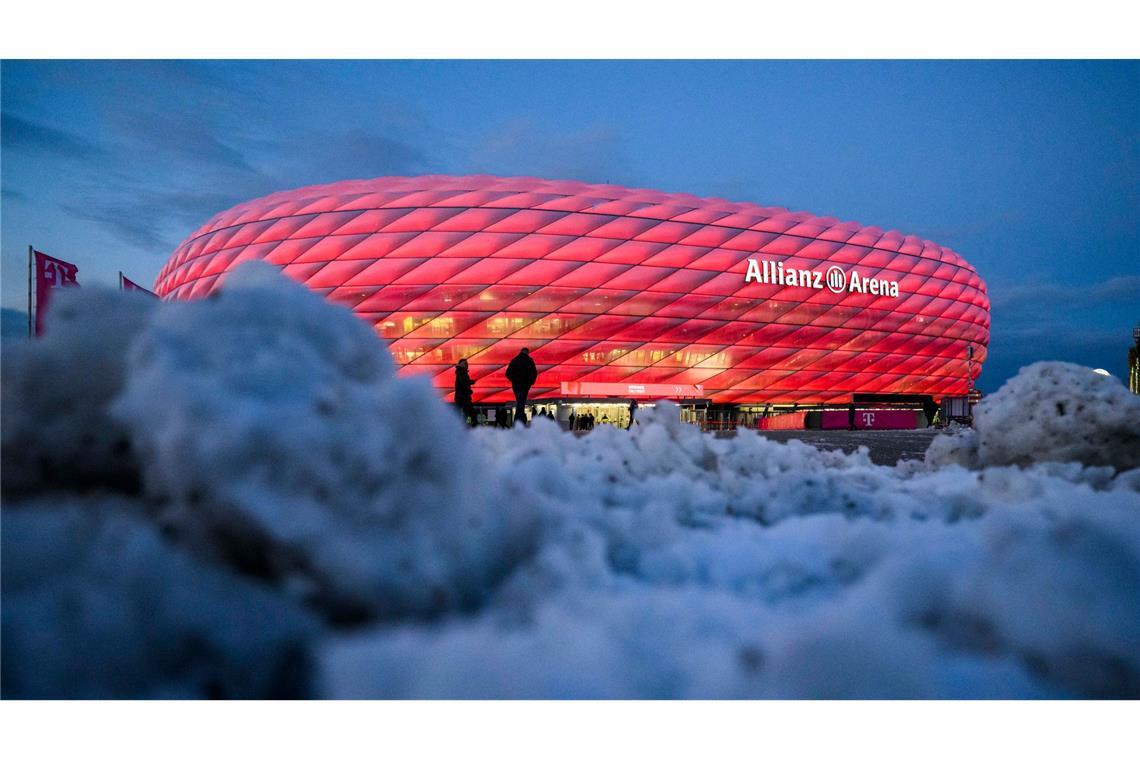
632,411
463,386
522,374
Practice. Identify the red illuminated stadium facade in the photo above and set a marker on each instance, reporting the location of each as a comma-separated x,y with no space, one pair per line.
617,292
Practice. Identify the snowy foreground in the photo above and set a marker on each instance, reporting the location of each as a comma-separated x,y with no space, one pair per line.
237,497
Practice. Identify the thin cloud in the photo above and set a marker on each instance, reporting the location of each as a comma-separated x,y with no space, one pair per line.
140,209
140,230
597,154
354,154
187,139
1042,321
153,220
1049,295
1013,347
19,134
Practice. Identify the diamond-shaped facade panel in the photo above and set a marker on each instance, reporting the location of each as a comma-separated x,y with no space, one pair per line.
607,284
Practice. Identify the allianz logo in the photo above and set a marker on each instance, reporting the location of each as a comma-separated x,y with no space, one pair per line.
834,278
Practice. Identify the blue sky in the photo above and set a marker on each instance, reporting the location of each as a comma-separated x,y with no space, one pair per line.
1031,170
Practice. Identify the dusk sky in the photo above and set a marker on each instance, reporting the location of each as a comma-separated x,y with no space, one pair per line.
1030,170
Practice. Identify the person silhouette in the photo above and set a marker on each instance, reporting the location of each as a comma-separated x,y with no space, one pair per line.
463,392
522,375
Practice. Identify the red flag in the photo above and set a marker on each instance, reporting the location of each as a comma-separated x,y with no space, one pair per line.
48,273
125,283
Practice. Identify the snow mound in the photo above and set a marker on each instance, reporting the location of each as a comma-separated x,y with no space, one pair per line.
273,427
1050,412
239,497
1004,583
97,605
957,447
270,431
57,431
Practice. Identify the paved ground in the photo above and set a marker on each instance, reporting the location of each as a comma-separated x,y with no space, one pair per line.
887,446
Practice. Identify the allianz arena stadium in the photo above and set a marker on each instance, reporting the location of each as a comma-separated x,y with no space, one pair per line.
618,293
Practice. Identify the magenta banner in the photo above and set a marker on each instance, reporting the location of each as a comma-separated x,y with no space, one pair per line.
126,283
871,419
48,274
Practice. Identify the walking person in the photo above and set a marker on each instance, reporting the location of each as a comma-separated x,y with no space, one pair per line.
522,374
632,411
463,387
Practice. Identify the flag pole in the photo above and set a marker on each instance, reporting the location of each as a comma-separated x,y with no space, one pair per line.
31,304
120,279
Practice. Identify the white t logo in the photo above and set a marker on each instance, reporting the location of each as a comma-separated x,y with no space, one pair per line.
54,273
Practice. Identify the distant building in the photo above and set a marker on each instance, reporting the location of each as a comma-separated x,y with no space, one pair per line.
1134,362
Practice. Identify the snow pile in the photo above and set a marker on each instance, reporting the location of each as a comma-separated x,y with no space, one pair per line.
676,564
291,518
57,431
1051,412
265,433
273,429
97,606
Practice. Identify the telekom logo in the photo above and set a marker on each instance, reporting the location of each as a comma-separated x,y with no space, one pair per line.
55,274
868,418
